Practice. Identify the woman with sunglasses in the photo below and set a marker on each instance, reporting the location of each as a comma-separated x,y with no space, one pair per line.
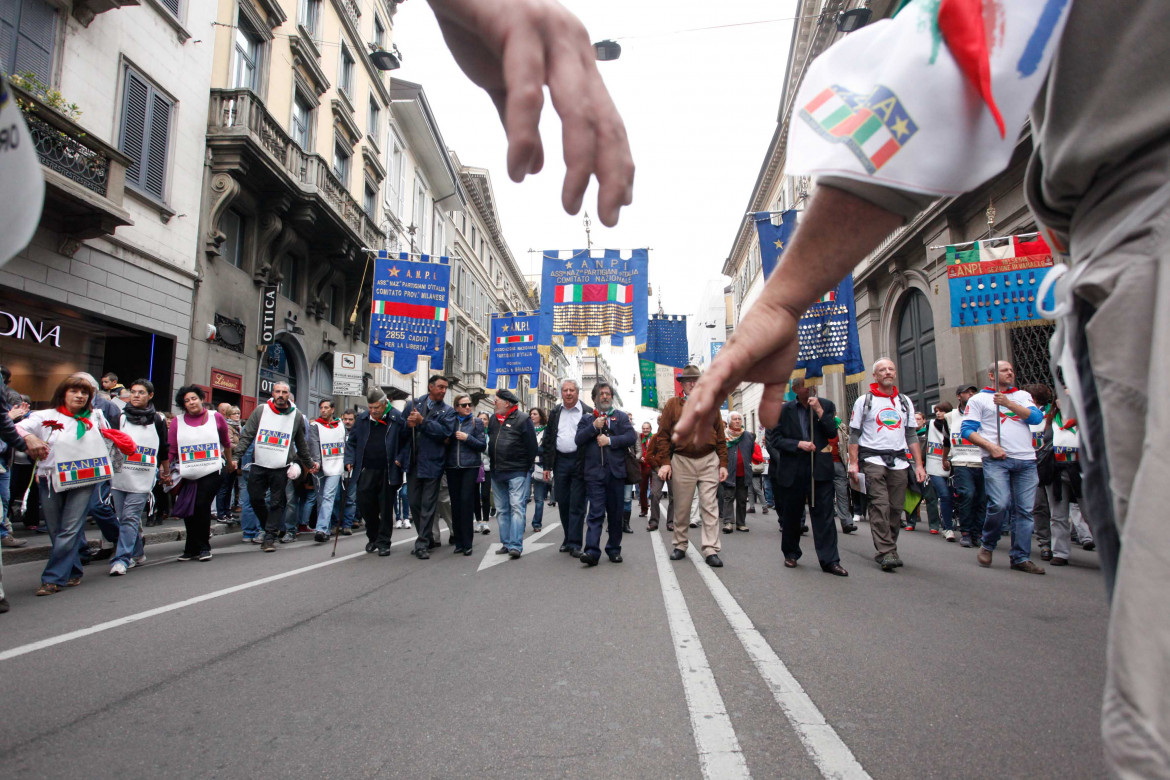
464,450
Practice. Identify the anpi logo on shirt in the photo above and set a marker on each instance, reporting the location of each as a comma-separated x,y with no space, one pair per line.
274,438
194,452
144,455
889,419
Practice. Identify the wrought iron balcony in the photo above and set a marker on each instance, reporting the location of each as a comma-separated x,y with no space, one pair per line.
84,176
239,115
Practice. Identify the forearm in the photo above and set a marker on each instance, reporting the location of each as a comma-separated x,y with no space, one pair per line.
836,232
853,453
980,441
916,452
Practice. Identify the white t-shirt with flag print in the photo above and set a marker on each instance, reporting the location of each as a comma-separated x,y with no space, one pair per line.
884,428
1015,435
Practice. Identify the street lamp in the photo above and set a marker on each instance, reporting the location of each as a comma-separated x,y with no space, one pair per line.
855,19
607,50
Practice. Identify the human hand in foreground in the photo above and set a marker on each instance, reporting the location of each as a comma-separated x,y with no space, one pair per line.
513,48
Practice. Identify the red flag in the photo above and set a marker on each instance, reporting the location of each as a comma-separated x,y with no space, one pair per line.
961,25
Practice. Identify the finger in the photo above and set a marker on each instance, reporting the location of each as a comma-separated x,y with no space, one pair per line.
770,404
571,78
614,163
524,77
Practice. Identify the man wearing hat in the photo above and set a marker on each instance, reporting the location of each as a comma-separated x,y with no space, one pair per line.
701,463
512,450
430,422
967,473
376,457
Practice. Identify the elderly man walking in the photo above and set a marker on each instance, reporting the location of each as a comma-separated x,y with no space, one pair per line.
881,433
562,463
430,422
997,421
701,463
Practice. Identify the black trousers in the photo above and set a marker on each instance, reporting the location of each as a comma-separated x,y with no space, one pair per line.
606,503
569,489
424,502
199,524
820,517
464,492
733,502
375,500
483,500
263,482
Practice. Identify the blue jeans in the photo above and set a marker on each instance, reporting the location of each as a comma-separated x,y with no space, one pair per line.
345,507
1011,494
402,504
972,503
946,508
510,492
65,515
328,488
249,523
539,494
129,507
768,499
102,512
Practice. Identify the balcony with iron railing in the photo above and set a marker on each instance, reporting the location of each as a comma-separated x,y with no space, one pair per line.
239,114
85,177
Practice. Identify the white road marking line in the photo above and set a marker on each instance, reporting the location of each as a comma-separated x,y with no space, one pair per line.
827,750
123,621
719,752
531,545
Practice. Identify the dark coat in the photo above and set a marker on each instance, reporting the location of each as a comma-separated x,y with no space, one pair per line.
605,463
746,445
428,441
548,460
788,462
397,445
512,445
467,454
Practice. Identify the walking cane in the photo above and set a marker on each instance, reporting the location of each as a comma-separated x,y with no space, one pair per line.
340,520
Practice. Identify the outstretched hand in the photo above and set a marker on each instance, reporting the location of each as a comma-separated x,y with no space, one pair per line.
513,48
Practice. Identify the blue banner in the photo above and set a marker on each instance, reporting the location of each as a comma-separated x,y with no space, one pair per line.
996,281
594,297
773,238
828,337
512,348
409,311
666,340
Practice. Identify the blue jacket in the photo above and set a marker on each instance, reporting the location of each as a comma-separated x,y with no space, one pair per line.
397,448
428,441
466,454
602,463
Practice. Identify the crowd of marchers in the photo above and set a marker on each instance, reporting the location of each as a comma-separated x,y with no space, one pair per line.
1001,461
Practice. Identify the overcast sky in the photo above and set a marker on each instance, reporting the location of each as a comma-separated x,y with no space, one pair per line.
700,108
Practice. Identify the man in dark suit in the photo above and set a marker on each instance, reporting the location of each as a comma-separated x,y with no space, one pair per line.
376,454
801,439
561,458
602,438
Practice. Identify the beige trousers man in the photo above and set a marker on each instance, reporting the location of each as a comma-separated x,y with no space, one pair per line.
686,474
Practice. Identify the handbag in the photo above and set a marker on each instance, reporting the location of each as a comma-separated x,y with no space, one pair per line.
1046,459
633,469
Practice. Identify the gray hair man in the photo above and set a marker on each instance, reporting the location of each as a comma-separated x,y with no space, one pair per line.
561,458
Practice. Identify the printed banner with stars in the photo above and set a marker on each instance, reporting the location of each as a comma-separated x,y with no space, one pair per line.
590,295
773,237
995,281
828,337
664,358
512,348
408,316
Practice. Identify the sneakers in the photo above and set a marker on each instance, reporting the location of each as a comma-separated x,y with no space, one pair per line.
138,560
965,541
118,569
984,557
256,540
887,562
857,519
897,560
934,531
346,532
186,556
907,528
486,529
1046,553
205,554
1028,567
320,536
1089,546
949,536
288,537
12,541
268,545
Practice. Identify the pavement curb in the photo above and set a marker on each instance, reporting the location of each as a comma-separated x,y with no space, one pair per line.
40,552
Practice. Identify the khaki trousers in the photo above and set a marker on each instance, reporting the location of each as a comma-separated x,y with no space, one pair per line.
686,474
885,490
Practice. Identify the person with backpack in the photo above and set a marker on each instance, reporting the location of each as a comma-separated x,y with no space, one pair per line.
882,442
1059,471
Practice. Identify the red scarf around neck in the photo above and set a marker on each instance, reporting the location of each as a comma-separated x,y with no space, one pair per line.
876,389
505,415
272,406
327,423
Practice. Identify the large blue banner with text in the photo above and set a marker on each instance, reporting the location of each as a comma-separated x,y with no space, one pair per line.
512,348
409,312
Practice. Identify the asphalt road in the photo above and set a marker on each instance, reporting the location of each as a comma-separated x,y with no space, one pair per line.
538,667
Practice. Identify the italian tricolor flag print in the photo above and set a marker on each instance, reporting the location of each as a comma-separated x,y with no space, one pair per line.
514,339
411,310
594,293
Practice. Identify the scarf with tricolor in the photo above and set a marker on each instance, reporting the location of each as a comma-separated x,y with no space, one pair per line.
731,442
876,389
291,407
82,418
505,415
327,423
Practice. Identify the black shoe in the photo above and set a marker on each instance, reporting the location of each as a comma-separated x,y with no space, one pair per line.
1046,554
615,558
965,541
434,543
205,554
835,569
320,536
848,529
421,554
467,551
502,551
751,510
268,545
3,605
626,527
186,556
1089,546
588,560
575,552
565,548
1058,562
677,554
804,529
670,525
513,554
713,561
383,552
457,550
370,547
790,563
536,527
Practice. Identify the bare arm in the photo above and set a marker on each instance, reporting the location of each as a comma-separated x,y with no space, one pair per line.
513,48
837,231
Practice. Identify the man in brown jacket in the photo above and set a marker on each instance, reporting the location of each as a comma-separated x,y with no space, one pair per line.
701,463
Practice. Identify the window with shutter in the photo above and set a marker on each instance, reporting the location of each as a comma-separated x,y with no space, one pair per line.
145,136
172,6
28,31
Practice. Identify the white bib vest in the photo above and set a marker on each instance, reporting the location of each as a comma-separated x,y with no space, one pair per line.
332,448
140,469
934,451
274,437
80,463
1066,444
963,452
199,447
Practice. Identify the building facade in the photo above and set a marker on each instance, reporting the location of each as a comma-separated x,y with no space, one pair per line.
115,99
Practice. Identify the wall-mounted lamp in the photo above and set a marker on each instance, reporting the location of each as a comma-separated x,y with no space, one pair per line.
852,20
385,60
607,50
